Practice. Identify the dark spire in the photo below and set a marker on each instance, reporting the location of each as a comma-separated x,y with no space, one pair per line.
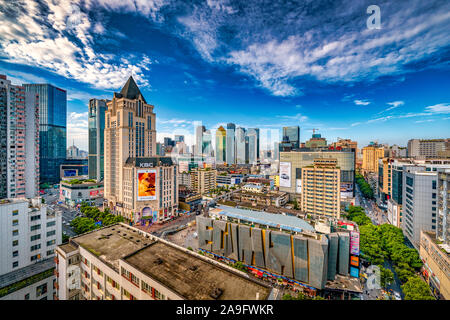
131,91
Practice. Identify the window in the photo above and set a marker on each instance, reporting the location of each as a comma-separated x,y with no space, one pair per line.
15,253
35,237
50,252
42,289
35,218
15,212
15,222
35,247
433,183
433,195
51,223
15,232
51,233
15,264
51,242
27,296
15,243
36,227
38,256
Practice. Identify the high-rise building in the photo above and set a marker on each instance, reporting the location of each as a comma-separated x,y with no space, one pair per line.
231,144
321,186
30,233
253,145
19,141
96,122
443,223
207,149
199,130
371,154
290,139
241,146
221,142
136,182
203,180
52,129
427,148
179,138
73,152
292,162
419,201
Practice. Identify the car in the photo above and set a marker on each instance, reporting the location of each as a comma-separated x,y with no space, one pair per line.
397,296
284,176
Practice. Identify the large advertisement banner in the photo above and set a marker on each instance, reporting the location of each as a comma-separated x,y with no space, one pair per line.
298,188
285,174
354,243
146,185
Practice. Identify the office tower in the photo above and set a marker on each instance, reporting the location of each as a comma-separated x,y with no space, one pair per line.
316,141
168,142
428,148
419,201
179,138
145,267
292,162
241,151
276,151
52,129
221,136
291,135
443,223
96,122
136,182
19,141
253,145
231,144
371,154
207,149
30,233
73,152
159,149
199,130
321,186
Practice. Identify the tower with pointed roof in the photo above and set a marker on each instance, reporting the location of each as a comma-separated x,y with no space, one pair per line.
130,132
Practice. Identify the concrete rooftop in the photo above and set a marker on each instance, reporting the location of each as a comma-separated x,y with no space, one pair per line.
192,277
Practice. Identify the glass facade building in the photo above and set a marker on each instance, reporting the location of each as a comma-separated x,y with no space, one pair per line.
52,129
291,138
96,123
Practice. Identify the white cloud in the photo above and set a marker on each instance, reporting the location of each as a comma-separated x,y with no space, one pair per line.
441,108
361,102
422,121
77,129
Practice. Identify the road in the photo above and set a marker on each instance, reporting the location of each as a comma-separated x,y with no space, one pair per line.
375,214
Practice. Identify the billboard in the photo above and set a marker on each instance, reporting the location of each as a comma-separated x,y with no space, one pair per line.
70,172
285,174
354,243
354,272
298,188
146,184
93,193
346,190
354,261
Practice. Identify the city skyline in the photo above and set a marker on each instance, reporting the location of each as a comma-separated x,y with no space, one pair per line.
194,63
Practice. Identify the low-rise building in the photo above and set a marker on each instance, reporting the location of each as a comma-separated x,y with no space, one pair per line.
74,191
120,262
261,198
436,269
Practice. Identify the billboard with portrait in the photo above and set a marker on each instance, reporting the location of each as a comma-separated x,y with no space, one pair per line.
146,184
354,243
285,174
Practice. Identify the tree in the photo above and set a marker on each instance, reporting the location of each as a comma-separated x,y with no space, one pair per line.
387,276
416,289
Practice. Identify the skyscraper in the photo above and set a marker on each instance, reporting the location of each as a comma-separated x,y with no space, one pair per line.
221,136
179,138
96,121
253,145
231,144
207,148
291,138
241,150
19,141
199,140
52,129
137,183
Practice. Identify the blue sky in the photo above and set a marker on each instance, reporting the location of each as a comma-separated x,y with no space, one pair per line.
263,64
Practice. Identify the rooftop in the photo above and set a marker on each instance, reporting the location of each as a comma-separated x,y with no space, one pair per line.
274,220
192,277
26,272
112,243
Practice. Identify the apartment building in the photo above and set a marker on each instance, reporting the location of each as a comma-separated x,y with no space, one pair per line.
321,188
203,180
120,262
371,154
19,141
291,164
29,234
436,268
